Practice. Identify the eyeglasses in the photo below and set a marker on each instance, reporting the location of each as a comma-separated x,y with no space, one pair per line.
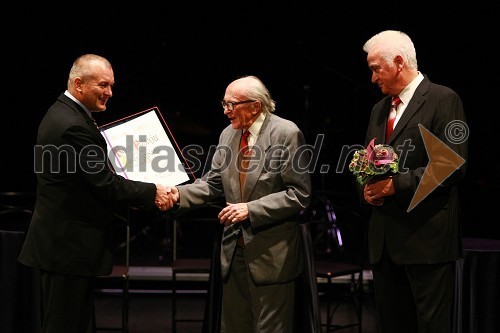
230,105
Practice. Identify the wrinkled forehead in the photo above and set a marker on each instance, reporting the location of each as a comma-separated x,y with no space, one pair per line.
374,52
235,90
376,57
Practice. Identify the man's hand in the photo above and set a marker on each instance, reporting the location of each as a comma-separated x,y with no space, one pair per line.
233,213
375,192
163,199
174,195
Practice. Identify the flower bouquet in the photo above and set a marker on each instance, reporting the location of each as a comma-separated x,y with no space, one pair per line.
375,160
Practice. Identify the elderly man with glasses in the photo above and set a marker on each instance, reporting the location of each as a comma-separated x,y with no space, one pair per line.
261,253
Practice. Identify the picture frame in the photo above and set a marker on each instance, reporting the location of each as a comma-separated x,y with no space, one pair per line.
142,147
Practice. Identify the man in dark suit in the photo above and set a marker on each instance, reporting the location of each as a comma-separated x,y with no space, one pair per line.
261,254
77,194
413,251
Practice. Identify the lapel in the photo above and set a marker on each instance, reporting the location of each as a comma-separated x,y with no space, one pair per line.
412,108
382,128
260,148
234,176
73,105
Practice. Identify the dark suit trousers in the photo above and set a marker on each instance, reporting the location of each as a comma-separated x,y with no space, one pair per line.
413,298
251,308
67,303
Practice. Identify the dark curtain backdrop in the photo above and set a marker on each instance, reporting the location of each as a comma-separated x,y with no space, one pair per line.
181,58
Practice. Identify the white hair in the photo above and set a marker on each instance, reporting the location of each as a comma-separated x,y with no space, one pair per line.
392,43
254,88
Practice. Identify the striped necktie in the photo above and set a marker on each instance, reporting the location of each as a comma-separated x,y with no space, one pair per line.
392,117
93,120
243,157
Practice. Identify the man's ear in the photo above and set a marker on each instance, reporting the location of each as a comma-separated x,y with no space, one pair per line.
257,107
399,61
78,84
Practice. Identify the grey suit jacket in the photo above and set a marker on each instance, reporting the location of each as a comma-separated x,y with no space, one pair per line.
277,188
430,232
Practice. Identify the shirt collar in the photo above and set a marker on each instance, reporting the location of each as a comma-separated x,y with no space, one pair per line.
68,94
257,125
407,93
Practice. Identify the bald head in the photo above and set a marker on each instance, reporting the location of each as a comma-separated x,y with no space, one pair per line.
91,80
86,66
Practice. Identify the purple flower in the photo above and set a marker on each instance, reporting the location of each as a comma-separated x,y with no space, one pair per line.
375,160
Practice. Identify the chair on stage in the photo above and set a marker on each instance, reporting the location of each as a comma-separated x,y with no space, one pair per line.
340,262
197,234
20,291
16,209
15,219
352,292
306,292
118,280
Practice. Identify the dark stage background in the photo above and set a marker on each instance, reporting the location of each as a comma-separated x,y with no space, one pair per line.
181,58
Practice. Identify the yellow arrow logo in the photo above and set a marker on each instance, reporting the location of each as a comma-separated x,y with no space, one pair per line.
443,161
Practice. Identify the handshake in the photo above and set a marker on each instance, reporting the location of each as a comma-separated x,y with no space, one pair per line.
166,197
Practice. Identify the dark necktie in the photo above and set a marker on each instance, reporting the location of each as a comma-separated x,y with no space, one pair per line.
244,152
93,120
392,117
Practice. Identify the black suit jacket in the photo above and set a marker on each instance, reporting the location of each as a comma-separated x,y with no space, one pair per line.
430,232
77,194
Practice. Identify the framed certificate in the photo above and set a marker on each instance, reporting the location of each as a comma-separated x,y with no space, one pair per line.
142,147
